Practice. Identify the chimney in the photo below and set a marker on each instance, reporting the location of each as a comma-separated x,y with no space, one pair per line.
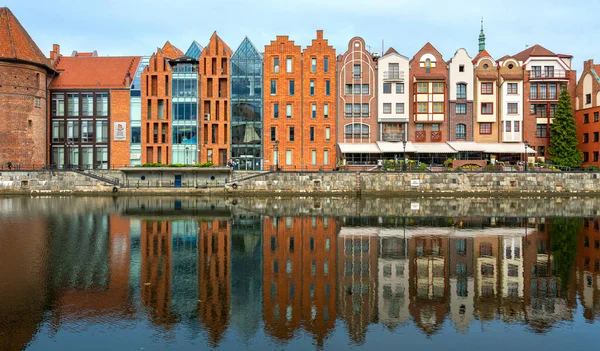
320,34
128,79
587,65
55,53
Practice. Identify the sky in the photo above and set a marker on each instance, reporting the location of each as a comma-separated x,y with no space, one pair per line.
138,27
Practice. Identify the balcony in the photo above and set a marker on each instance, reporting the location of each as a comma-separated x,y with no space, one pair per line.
420,135
397,76
543,96
436,136
548,74
393,136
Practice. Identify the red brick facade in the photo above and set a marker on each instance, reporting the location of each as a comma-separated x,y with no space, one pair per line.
215,102
120,111
587,117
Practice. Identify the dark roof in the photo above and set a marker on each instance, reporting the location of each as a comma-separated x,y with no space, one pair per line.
16,44
536,50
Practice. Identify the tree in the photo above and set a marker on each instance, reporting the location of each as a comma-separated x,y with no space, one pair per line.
563,135
563,245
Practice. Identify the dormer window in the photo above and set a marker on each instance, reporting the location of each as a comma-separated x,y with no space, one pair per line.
428,66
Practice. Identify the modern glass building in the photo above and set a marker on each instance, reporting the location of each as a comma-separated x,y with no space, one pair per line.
135,117
194,50
247,107
185,110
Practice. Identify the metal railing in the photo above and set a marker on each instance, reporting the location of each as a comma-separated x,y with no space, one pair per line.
393,75
393,136
548,74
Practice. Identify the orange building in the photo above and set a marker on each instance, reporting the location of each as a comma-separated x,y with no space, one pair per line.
156,106
485,104
215,101
588,111
214,277
90,110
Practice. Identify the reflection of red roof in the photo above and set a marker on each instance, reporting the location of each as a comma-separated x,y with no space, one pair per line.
94,72
484,53
170,51
487,76
430,77
16,44
536,50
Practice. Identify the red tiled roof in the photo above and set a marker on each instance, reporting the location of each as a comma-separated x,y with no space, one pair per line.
484,53
391,50
94,72
536,50
503,58
171,51
16,44
565,56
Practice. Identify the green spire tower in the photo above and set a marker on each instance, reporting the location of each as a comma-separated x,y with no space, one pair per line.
481,38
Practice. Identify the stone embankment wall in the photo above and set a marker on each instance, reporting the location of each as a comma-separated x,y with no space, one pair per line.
43,182
389,183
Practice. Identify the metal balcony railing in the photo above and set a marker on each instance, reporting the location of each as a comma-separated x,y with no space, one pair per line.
393,136
548,74
393,75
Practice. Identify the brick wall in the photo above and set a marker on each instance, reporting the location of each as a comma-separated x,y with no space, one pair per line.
23,128
466,119
119,112
592,127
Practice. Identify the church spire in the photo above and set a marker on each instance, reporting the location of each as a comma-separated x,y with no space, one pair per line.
481,38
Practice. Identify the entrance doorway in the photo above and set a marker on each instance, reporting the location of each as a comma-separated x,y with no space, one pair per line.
178,180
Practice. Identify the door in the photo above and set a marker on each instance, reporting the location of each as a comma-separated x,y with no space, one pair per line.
222,157
178,180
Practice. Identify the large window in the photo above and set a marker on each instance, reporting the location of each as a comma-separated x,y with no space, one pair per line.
438,107
461,109
102,104
541,131
356,130
438,88
58,104
276,64
87,104
422,87
72,104
461,131
461,91
422,107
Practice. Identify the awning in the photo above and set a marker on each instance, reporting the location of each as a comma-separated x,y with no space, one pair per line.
395,147
507,148
433,148
359,148
466,146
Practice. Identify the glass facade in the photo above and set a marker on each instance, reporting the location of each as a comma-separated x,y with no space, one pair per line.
135,114
247,107
194,51
185,111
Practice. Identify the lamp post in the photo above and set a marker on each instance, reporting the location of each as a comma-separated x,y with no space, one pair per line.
404,154
186,154
68,146
526,146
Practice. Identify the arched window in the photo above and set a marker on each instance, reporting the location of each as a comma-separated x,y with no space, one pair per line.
356,130
461,131
461,91
427,65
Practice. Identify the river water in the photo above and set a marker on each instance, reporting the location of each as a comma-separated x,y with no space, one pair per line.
186,274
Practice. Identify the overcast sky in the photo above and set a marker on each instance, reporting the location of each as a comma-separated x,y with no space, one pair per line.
137,27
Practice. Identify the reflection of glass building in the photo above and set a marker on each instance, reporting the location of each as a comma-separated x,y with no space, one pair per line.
246,106
135,151
185,110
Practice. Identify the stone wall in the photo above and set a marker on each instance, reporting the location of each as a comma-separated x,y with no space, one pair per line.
41,182
387,183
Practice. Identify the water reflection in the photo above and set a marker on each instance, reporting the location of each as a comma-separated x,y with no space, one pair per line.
213,273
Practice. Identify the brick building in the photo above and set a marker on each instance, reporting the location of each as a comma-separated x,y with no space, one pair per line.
587,103
486,98
215,80
25,74
89,119
545,74
460,98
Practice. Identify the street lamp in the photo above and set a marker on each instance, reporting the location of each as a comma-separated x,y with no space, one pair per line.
404,155
186,154
526,146
68,146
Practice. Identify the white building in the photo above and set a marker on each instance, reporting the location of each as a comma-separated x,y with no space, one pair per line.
393,96
460,86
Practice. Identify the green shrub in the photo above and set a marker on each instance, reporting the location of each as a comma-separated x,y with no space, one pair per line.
448,162
592,169
153,165
422,167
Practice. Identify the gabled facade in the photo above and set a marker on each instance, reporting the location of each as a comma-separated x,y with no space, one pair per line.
460,98
510,100
486,98
215,101
587,115
545,75
429,77
393,96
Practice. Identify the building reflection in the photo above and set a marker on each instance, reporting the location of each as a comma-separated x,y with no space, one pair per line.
588,268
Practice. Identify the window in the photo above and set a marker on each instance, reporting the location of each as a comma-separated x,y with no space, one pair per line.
438,107
485,128
487,108
541,131
101,131
275,110
387,108
461,68
438,87
348,89
595,137
513,88
365,110
72,104
288,65
288,159
328,87
420,127
273,133
399,88
586,157
595,116
348,110
87,131
553,91
326,159
533,89
542,91
399,108
595,156
314,111
292,87
356,89
461,109
487,88
273,87
586,138
327,133
276,64
461,131
588,99
313,65
365,89
356,130
507,126
87,104
288,111
292,137
326,64
541,151
58,131
422,87
517,126
427,66
313,157
549,71
326,111
461,91
435,127
37,102
102,157
586,118
312,133
536,71
387,88
422,107
312,87
356,71
58,104
512,108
